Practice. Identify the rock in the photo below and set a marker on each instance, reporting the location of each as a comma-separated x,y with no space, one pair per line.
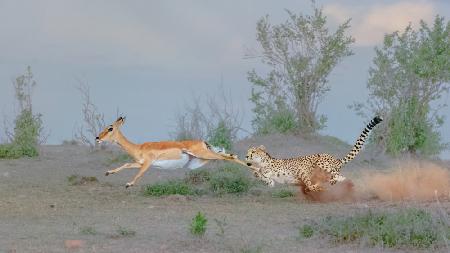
74,244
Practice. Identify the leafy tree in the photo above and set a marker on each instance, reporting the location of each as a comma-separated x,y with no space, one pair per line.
410,72
300,53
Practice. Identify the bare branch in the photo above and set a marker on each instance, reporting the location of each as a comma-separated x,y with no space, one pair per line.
93,120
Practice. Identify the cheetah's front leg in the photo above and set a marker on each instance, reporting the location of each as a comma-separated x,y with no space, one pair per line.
264,178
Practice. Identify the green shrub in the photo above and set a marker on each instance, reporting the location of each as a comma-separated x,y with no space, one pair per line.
277,122
27,126
10,151
229,180
169,188
406,228
411,132
306,231
26,133
221,136
198,224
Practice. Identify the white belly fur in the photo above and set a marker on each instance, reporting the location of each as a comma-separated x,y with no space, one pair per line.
185,161
286,179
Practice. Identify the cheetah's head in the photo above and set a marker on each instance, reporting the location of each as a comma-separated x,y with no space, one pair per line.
256,155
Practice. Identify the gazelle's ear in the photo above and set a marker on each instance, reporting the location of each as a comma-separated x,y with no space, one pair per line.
119,121
262,147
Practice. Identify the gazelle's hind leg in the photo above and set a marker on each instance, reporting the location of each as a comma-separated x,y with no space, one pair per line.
195,163
209,155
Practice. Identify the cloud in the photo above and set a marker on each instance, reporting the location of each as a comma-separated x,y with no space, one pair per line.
370,23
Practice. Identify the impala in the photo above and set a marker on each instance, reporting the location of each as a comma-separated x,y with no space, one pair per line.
190,154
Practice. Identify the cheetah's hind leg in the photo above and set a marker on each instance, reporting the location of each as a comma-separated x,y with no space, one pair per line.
336,178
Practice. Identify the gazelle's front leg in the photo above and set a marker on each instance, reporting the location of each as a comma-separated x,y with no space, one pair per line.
125,166
142,170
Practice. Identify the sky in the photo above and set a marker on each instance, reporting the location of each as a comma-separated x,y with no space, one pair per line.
150,58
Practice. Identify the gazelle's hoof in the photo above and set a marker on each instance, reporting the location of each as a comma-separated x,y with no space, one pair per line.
128,185
107,173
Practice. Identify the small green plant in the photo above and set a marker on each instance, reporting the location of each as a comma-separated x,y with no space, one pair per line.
124,232
198,176
283,193
81,180
169,188
229,180
405,228
257,249
306,231
198,224
88,231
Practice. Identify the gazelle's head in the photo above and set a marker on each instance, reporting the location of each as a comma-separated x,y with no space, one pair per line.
110,132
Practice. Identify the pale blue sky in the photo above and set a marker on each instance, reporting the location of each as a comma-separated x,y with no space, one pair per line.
148,57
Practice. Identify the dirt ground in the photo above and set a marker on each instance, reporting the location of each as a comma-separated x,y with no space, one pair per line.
41,212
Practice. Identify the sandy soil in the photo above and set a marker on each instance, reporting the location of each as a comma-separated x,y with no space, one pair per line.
40,212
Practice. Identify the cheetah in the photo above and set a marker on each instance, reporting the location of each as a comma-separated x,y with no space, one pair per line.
299,170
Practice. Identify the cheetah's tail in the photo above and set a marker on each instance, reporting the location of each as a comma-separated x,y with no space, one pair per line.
362,138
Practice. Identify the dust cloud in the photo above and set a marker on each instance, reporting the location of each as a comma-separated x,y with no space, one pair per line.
409,180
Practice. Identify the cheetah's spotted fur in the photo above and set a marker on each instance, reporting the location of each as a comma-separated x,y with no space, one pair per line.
299,170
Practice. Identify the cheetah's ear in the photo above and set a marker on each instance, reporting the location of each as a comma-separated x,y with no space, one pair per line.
262,147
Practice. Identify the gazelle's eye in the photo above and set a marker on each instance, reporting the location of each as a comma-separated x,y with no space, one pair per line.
110,129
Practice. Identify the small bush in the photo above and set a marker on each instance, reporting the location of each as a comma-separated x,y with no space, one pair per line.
283,193
221,136
28,127
10,151
197,176
407,228
169,188
229,180
198,225
277,122
306,231
26,133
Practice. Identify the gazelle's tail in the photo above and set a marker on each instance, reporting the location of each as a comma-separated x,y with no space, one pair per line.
362,138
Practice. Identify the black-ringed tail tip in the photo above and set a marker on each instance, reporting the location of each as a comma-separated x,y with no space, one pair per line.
362,138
